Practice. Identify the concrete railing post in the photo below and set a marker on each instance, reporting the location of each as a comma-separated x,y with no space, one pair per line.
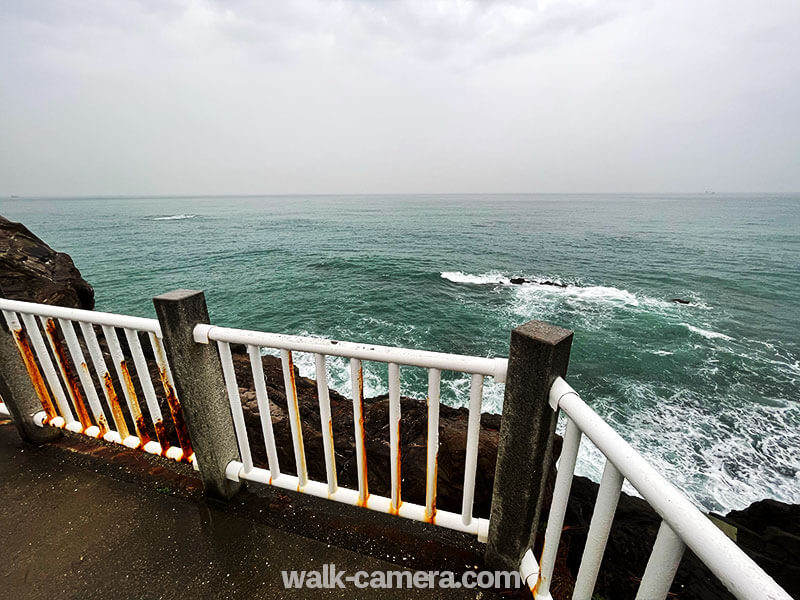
197,372
539,353
18,392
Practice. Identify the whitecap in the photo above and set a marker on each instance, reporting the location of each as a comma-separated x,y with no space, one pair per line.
711,335
602,293
485,279
174,217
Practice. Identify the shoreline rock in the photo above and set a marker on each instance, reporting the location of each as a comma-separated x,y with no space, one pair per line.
32,271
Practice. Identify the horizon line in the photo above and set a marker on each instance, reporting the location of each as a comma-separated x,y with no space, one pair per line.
338,194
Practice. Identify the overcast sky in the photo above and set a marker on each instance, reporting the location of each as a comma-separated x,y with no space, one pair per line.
215,97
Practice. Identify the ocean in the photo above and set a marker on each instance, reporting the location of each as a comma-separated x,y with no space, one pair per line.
708,391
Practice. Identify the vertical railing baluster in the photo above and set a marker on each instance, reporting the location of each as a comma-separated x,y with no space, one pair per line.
431,467
558,506
357,383
128,390
263,410
599,528
28,358
662,565
325,422
67,374
32,329
394,436
84,375
175,410
471,460
96,354
294,417
236,405
146,384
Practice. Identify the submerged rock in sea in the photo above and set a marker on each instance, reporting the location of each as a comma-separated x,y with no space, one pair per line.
32,271
521,280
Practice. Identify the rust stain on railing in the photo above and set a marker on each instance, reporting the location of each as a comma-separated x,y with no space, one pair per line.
395,510
297,415
102,423
33,372
69,374
430,516
181,431
116,409
136,412
161,435
364,496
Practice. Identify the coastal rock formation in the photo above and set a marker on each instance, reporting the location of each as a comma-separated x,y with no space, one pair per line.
31,270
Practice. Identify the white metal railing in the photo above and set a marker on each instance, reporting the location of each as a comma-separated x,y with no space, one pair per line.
682,523
434,362
64,351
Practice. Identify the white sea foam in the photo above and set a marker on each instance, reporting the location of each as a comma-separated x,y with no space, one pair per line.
710,335
174,217
485,279
600,293
583,294
720,468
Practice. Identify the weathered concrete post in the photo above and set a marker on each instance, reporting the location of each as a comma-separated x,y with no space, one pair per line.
197,371
539,353
18,393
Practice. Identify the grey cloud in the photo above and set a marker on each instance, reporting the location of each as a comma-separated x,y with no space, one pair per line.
213,96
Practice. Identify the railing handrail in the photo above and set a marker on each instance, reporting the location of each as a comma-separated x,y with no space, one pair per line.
492,367
82,316
737,571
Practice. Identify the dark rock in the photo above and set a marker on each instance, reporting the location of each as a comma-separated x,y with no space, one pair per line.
769,532
680,301
519,280
553,283
32,271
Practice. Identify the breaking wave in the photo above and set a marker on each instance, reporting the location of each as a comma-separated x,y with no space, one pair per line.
487,279
557,287
709,335
174,217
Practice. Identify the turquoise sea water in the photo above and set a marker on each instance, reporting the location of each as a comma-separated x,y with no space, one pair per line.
708,391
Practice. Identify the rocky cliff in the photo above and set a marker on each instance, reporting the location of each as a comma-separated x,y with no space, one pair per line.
31,270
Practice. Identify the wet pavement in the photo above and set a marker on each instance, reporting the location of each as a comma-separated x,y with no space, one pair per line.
74,525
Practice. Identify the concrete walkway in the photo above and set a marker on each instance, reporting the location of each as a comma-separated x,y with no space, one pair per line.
71,528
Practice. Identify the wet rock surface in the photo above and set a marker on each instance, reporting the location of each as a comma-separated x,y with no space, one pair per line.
32,271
